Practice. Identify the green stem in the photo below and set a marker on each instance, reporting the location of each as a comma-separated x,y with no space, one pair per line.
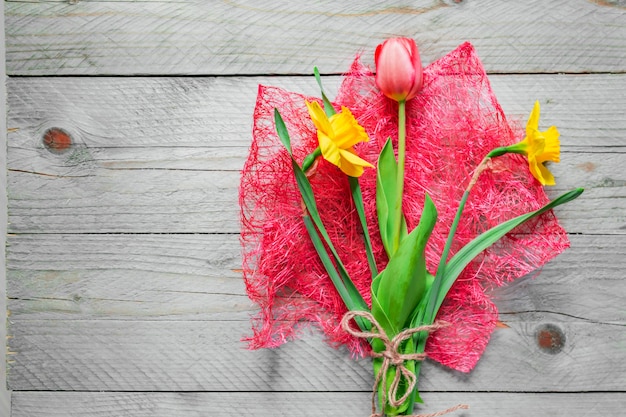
499,151
310,158
344,288
400,173
431,306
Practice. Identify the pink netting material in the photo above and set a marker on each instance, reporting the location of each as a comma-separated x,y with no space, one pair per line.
452,125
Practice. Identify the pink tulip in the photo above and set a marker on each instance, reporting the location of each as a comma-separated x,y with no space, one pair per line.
398,69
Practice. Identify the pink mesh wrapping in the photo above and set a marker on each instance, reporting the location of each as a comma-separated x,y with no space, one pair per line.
452,125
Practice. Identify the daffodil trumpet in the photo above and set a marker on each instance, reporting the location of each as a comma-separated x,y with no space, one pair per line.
539,147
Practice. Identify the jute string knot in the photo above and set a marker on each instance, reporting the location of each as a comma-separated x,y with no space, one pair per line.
392,356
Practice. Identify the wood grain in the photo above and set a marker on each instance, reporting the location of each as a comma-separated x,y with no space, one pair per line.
139,114
197,277
276,404
130,355
124,282
168,161
181,201
286,37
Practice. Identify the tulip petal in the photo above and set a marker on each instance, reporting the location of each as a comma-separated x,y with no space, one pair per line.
399,73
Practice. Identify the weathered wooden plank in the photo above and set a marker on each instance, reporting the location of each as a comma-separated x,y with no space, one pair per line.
125,202
276,404
168,159
189,201
215,114
111,355
196,277
245,37
152,277
145,309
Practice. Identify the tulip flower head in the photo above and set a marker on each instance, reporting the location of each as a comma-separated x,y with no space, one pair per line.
539,147
337,135
398,69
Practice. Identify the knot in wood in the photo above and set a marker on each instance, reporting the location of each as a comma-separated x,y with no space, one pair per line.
550,338
57,140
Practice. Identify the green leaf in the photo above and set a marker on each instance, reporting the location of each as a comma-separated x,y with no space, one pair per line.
400,287
328,107
344,289
281,130
380,315
386,193
356,300
465,255
357,197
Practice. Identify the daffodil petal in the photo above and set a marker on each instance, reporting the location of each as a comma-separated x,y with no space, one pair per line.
541,173
319,118
533,119
330,151
352,170
351,156
548,178
536,141
336,136
352,162
534,170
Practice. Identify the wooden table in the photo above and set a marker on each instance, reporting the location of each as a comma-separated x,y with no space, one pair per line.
125,294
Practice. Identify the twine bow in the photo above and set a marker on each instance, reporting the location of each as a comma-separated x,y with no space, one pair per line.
392,357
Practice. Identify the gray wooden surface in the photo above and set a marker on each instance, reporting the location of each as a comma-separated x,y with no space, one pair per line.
5,397
124,291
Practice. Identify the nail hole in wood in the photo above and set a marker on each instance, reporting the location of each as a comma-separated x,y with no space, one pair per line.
550,338
57,140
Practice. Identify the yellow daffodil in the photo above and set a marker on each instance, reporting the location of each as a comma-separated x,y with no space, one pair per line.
337,136
539,147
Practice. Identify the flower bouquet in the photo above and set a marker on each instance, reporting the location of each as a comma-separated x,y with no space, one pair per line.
386,215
